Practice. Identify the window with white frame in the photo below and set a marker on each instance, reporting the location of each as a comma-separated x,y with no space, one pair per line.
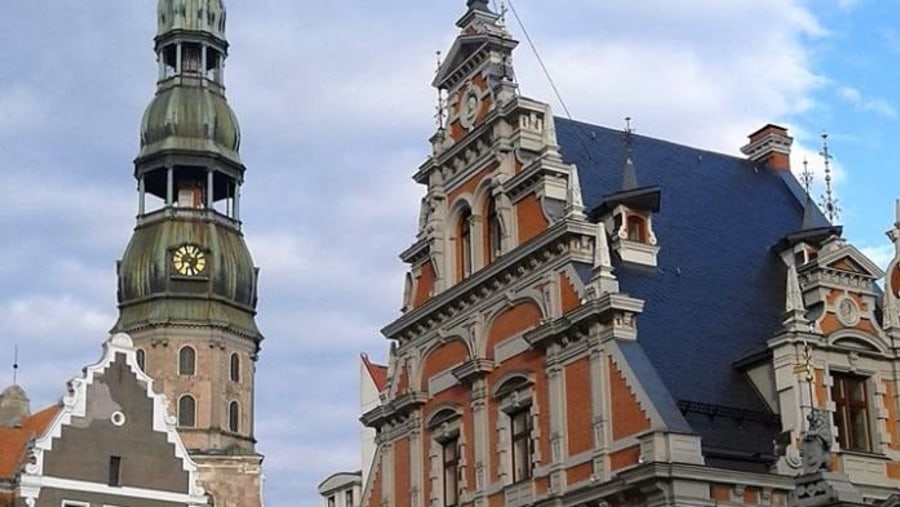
445,433
515,403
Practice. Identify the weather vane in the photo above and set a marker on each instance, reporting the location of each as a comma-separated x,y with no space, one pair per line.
829,201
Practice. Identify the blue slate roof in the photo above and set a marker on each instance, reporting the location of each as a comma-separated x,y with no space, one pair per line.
718,291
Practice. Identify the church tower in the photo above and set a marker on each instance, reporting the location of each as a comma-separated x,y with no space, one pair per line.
187,285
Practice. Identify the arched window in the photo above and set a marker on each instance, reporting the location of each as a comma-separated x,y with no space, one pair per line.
187,411
187,361
465,244
139,355
637,229
234,417
495,232
235,367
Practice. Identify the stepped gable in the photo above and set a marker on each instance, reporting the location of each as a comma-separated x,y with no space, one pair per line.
718,292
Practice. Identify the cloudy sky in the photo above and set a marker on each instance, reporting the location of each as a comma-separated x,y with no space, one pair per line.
336,109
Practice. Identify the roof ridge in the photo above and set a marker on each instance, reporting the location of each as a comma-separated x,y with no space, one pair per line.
656,139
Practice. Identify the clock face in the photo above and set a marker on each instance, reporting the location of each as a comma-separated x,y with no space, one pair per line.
189,260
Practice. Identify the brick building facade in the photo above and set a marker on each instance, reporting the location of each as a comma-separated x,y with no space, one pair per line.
593,317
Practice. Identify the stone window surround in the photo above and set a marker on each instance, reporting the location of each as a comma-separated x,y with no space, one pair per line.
445,426
871,379
514,394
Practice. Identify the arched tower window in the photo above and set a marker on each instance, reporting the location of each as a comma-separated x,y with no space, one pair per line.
187,361
494,231
141,359
187,411
464,248
234,417
235,367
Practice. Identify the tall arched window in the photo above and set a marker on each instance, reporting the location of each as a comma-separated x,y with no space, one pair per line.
234,417
187,361
141,359
494,232
235,367
465,244
187,411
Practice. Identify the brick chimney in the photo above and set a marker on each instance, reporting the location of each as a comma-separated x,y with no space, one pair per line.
770,145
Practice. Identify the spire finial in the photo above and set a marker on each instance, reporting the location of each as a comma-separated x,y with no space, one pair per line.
795,311
629,174
603,279
809,210
16,365
440,115
806,177
829,201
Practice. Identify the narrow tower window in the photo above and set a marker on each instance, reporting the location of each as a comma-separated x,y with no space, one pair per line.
494,231
139,356
465,244
234,417
235,367
187,361
187,408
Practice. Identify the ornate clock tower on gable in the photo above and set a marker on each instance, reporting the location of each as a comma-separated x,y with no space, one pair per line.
187,284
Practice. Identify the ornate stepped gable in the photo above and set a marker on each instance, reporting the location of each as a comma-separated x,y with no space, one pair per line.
65,453
569,334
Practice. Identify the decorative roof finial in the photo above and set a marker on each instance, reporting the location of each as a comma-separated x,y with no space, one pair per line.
603,279
829,201
501,21
440,115
16,365
795,311
809,207
629,174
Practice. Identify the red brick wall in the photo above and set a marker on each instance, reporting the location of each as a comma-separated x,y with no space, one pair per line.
627,416
510,322
401,473
578,407
530,218
424,286
568,294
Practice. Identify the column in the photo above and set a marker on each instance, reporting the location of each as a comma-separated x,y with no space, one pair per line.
178,58
142,196
237,202
170,186
557,429
210,180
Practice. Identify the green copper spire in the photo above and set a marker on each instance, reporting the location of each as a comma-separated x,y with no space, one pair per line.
190,114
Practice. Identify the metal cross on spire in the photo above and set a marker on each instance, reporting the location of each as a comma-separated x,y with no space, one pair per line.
829,201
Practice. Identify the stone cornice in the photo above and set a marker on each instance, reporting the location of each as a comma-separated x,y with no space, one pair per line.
574,324
550,244
398,408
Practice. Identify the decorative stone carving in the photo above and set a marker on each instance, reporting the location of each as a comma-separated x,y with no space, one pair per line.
817,442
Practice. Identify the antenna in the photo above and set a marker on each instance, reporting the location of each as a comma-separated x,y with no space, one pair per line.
440,115
16,365
829,201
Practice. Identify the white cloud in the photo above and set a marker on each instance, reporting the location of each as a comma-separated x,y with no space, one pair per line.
876,105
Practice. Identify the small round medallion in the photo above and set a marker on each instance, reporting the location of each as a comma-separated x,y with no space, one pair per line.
848,312
118,419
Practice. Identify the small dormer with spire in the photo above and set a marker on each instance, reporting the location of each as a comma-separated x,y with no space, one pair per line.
628,213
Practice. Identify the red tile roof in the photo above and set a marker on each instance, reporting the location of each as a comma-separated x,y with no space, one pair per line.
376,371
14,441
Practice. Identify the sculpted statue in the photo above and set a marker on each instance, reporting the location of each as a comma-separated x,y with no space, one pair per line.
816,444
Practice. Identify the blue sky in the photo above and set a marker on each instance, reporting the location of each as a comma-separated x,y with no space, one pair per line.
336,109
